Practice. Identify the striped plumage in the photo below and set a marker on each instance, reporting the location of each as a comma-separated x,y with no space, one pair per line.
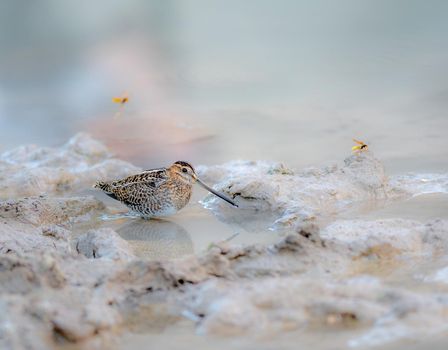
156,192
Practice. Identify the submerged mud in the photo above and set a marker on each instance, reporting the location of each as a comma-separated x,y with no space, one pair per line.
62,286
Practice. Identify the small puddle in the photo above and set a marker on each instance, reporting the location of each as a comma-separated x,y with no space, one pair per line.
190,231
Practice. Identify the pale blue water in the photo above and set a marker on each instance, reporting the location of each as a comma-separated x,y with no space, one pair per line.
213,81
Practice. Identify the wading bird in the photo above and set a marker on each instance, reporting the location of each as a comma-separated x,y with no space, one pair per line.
157,192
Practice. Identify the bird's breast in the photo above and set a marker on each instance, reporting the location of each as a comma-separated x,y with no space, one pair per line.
181,194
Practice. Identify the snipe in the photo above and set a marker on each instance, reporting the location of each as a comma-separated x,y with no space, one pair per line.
157,192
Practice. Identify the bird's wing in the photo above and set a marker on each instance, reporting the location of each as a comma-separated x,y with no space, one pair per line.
152,178
135,189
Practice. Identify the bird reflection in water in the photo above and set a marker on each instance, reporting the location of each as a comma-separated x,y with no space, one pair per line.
156,239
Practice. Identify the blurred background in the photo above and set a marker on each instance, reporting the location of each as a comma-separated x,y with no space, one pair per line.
211,81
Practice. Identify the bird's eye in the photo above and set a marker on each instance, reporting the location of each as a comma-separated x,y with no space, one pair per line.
184,170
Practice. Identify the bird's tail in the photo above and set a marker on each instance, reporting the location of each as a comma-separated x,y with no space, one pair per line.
103,186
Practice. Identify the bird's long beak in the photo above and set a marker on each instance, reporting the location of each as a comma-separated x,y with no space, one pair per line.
220,195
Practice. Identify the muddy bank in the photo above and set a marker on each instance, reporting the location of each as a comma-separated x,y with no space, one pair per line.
60,288
31,170
314,194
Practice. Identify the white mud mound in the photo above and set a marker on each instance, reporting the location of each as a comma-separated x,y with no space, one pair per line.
31,170
312,194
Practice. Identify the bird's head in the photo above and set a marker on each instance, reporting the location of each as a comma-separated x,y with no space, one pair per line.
186,172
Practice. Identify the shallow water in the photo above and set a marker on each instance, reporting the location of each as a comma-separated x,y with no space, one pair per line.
210,82
190,231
